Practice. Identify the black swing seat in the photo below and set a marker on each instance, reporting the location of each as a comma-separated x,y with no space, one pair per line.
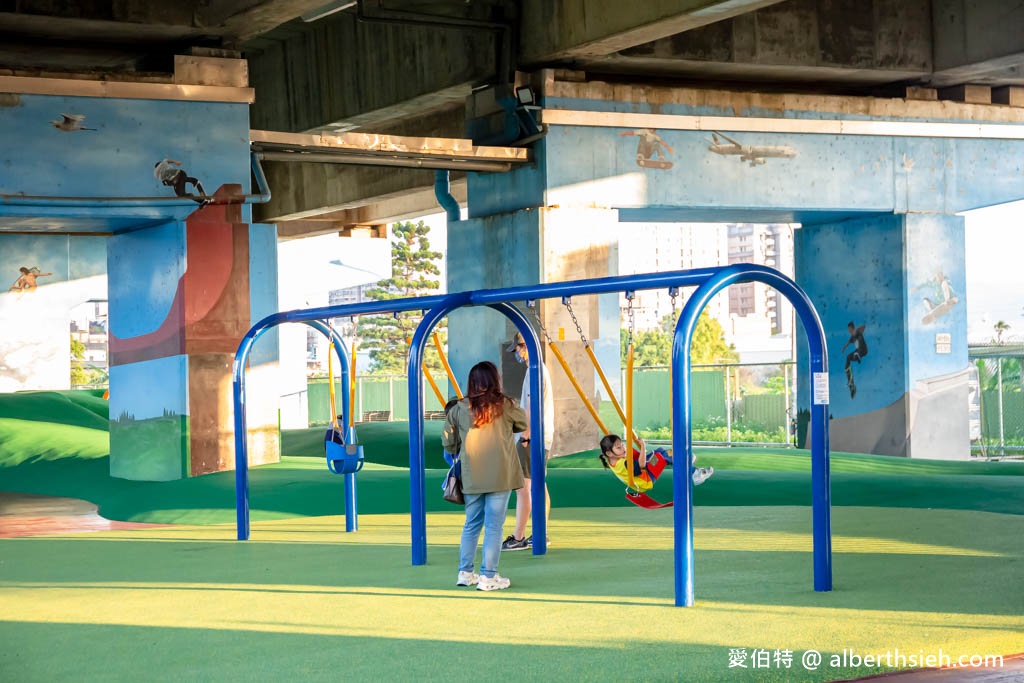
342,457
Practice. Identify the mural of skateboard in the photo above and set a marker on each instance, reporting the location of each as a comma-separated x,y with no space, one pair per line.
939,311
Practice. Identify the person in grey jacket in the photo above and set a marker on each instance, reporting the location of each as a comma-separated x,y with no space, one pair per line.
480,429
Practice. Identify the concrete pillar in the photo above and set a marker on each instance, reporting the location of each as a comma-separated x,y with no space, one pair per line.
181,297
901,277
531,246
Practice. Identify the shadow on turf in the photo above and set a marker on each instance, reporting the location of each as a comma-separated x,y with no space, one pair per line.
883,582
258,651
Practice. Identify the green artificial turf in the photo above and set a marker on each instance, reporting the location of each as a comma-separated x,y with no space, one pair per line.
305,601
68,456
926,557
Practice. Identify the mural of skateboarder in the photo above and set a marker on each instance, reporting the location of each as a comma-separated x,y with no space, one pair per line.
942,298
27,281
649,146
170,173
860,349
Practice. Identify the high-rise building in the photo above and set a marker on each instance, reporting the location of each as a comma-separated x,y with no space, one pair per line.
768,245
661,247
755,317
761,322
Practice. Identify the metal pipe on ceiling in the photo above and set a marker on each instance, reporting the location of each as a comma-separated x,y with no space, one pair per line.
262,197
402,162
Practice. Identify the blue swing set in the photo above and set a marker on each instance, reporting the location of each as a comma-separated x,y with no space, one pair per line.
708,282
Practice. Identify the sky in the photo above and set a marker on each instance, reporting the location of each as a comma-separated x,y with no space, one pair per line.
995,271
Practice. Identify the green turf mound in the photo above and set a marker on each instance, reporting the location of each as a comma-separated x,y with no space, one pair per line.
52,425
56,443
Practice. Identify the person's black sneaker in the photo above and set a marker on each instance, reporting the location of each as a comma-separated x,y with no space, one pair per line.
529,541
513,543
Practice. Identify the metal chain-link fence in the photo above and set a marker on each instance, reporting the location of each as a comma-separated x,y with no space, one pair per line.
999,427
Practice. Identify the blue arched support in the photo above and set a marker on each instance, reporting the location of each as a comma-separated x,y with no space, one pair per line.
351,500
682,438
238,374
443,192
417,458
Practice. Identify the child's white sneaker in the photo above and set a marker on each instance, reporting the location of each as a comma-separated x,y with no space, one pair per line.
702,474
493,583
468,579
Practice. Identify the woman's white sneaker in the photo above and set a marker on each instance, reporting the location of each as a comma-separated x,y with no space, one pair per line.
467,579
492,583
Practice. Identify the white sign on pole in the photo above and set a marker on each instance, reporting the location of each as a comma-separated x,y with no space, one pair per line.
821,388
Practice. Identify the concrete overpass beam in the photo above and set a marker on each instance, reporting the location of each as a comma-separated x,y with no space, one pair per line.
317,77
876,42
591,28
978,41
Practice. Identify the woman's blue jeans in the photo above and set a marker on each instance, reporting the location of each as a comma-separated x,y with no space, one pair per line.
487,511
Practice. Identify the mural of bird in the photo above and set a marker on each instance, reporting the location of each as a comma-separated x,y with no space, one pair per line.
70,123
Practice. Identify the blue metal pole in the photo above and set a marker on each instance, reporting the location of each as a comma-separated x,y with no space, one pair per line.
351,506
682,412
538,460
601,285
241,453
417,459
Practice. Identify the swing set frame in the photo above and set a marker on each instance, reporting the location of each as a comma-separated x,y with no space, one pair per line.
708,282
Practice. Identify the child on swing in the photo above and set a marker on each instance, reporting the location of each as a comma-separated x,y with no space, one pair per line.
647,467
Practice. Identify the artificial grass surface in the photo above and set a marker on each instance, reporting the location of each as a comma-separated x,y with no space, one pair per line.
304,601
68,457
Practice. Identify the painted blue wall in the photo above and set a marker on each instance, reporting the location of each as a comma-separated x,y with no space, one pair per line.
853,271
263,299
145,268
116,159
878,271
935,270
827,173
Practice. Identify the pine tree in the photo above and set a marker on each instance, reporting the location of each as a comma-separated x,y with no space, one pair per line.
384,336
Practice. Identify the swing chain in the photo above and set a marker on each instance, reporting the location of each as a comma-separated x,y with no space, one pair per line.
629,315
673,292
568,306
536,316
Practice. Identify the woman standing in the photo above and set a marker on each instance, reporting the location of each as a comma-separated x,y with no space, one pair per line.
481,427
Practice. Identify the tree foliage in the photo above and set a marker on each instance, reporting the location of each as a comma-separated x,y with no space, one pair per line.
82,375
412,263
1000,329
654,347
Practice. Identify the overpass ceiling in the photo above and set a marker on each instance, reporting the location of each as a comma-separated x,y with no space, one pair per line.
851,46
406,67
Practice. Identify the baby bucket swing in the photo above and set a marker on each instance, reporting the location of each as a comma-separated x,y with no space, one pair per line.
344,454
